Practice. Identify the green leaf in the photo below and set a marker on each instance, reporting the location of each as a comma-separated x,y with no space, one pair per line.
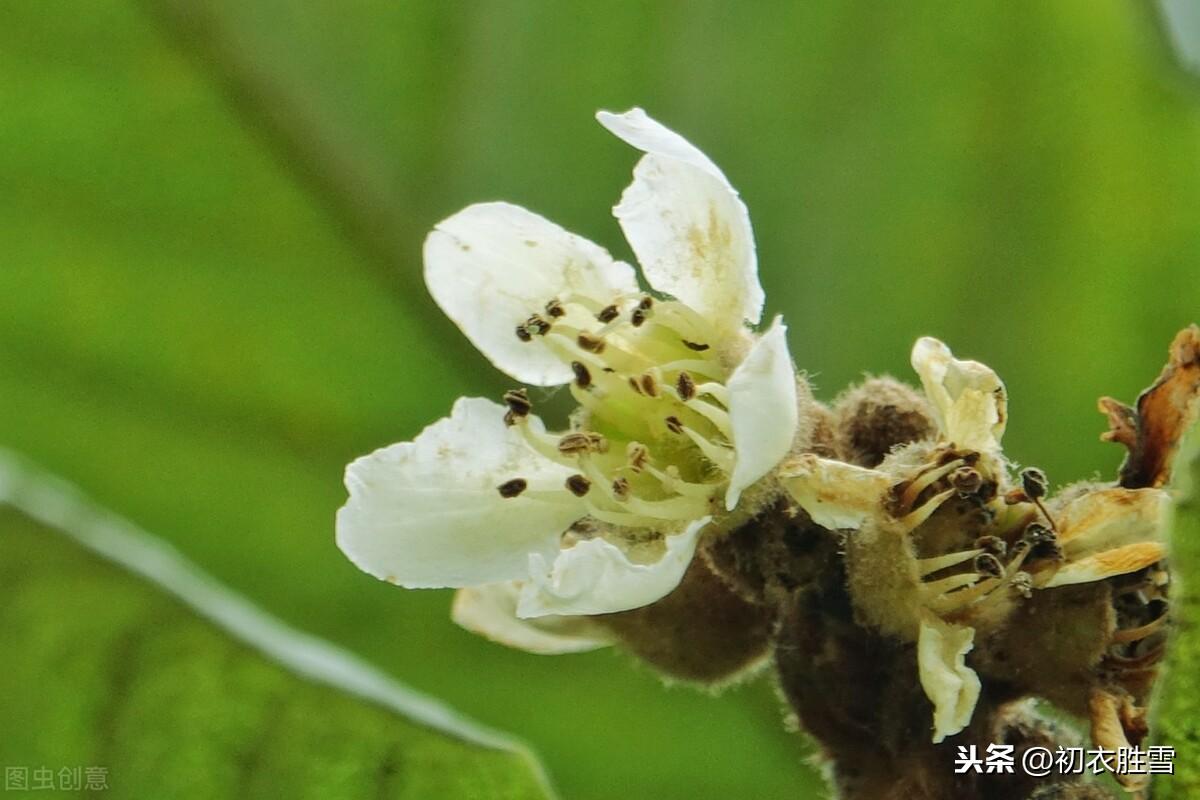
177,687
1178,705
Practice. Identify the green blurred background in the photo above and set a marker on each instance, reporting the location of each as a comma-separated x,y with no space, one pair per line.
210,298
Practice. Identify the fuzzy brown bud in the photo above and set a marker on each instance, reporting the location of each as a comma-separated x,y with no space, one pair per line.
879,415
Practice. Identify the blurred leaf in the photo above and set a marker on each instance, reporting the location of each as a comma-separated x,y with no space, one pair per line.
1178,706
184,690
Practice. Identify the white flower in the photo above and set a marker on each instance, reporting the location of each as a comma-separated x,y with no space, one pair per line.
682,408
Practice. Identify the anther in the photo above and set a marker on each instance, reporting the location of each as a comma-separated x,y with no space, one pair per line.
555,309
583,378
1036,533
510,419
645,303
582,442
633,384
1034,483
674,425
523,334
697,346
993,544
518,402
638,317
620,488
590,343
578,485
685,386
536,325
512,488
649,386
638,455
988,565
966,480
608,313
1022,582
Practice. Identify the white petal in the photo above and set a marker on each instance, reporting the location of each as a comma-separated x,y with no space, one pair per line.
492,265
427,513
968,398
835,494
690,230
949,683
597,577
491,611
762,410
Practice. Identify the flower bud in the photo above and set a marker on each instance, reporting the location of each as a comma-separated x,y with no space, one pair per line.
879,415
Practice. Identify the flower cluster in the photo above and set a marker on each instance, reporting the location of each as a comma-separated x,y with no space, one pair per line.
702,510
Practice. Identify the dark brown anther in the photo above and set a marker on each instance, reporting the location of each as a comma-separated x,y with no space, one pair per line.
992,544
685,386
578,485
583,378
1034,483
512,488
1036,533
620,488
988,565
537,325
966,480
638,317
518,402
608,313
555,309
645,303
674,425
633,384
649,385
523,334
590,343
697,346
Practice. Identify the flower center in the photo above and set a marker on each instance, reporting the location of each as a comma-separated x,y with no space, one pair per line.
654,442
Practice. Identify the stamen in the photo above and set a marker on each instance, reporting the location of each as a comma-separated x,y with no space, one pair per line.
924,481
992,544
523,334
718,417
646,303
540,442
638,455
608,313
987,564
638,317
649,386
1035,484
967,480
580,442
590,343
583,377
928,566
536,325
671,481
697,346
674,425
685,386
914,519
716,391
633,384
620,489
518,402
578,485
1134,634
512,488
555,309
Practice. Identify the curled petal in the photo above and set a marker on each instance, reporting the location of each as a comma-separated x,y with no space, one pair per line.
949,683
492,265
835,494
596,577
968,398
762,410
1098,566
690,230
491,611
427,513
